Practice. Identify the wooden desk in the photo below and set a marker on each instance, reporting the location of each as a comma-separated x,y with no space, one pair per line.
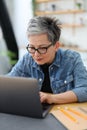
73,116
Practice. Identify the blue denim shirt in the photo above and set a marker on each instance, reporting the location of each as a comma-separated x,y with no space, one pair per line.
67,72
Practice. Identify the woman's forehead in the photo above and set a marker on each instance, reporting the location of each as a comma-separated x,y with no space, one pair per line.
38,39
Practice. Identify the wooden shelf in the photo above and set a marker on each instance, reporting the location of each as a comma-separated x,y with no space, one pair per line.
75,48
42,1
63,12
72,25
58,12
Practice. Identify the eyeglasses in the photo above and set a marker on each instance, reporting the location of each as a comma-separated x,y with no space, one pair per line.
41,50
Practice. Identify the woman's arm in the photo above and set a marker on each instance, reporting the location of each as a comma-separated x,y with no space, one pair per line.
62,98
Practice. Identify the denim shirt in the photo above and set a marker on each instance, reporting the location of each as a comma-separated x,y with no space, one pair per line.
67,72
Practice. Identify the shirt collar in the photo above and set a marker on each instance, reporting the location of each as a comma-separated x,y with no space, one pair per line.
57,59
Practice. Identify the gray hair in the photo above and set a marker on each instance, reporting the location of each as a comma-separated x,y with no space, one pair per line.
43,24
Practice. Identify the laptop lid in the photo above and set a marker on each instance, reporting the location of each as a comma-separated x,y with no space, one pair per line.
20,96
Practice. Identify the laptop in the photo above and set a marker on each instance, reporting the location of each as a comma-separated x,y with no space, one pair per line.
20,96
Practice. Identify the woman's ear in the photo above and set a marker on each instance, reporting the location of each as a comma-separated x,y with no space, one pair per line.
57,45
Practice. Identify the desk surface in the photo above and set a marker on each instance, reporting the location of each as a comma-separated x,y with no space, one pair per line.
13,122
73,116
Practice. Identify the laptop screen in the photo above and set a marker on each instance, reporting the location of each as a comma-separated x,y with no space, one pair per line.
20,96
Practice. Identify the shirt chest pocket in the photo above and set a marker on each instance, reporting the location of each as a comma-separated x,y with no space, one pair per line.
64,85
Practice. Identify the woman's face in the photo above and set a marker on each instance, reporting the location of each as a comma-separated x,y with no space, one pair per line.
40,41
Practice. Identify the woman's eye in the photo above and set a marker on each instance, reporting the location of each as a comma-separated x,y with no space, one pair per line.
42,48
32,48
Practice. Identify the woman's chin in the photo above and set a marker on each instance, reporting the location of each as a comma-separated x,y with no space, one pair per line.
40,63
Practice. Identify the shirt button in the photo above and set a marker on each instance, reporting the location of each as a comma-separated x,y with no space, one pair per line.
51,68
40,79
65,81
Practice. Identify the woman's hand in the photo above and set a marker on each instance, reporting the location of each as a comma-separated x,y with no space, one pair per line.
46,97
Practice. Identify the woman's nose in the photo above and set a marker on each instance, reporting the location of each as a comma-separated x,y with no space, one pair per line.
36,53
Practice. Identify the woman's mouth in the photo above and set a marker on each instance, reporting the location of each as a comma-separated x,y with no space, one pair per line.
39,59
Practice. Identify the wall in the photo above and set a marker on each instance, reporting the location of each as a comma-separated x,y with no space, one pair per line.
22,12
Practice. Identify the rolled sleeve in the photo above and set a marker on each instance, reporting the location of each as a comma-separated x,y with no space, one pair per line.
81,94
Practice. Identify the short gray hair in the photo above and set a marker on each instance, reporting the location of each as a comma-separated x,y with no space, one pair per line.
44,24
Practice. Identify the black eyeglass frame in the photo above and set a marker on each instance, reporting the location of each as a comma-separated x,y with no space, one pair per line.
37,49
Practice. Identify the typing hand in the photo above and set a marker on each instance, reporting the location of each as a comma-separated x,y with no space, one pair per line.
46,97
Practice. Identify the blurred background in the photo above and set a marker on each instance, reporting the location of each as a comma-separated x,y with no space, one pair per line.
14,17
